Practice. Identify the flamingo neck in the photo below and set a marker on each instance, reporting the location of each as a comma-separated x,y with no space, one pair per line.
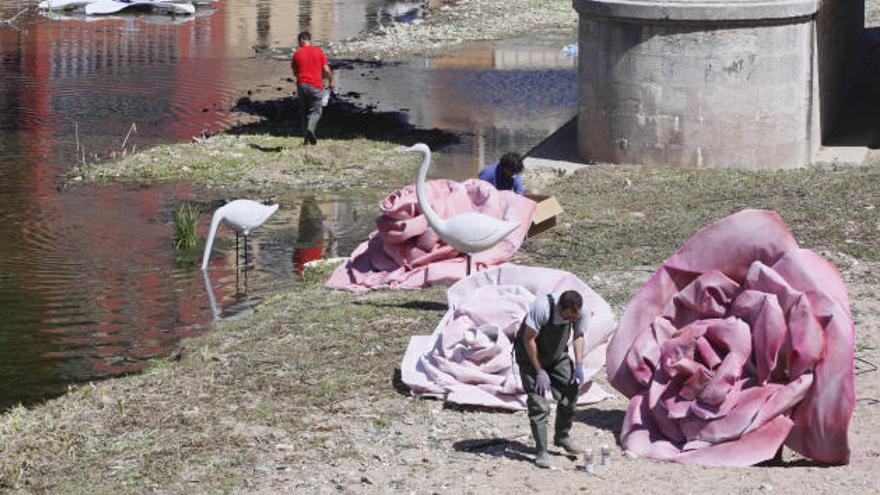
215,222
433,220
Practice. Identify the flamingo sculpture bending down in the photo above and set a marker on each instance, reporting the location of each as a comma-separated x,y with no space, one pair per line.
468,233
242,216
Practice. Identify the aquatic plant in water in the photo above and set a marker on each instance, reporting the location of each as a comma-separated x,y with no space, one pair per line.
185,220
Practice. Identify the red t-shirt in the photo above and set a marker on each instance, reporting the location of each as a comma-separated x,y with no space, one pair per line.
308,62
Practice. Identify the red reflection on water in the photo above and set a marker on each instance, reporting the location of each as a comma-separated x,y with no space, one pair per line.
303,255
112,245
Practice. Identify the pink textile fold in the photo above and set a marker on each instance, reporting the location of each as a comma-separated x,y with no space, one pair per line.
468,359
405,253
740,342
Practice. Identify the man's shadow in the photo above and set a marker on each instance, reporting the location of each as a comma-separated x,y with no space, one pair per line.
497,447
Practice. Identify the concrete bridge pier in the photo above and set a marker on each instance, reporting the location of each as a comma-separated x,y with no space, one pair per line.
748,83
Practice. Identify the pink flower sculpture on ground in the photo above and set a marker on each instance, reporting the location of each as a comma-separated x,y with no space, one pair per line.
405,252
739,342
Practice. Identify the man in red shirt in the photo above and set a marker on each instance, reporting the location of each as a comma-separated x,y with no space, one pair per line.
310,66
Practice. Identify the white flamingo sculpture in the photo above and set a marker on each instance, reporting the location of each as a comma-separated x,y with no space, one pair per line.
468,233
242,216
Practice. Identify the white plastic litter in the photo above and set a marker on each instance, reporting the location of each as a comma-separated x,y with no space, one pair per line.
570,51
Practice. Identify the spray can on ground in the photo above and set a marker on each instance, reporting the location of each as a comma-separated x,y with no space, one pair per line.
606,455
588,460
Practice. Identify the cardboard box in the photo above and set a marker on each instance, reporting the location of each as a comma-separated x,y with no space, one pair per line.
546,213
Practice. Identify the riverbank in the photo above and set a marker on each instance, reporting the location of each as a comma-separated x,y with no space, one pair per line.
263,161
264,152
301,395
463,21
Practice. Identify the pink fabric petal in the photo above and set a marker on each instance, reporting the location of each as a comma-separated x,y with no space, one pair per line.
677,354
707,354
644,356
731,426
822,418
708,411
677,407
706,297
808,272
722,382
640,312
659,414
638,432
397,231
782,401
762,278
807,339
757,446
763,314
730,335
428,240
731,244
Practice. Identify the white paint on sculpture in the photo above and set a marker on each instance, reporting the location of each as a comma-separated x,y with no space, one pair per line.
242,216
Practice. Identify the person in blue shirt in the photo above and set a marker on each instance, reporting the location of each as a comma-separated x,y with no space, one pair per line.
505,173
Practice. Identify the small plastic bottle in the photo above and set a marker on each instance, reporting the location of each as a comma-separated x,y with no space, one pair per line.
588,461
606,455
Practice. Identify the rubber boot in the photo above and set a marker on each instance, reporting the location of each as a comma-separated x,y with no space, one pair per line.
542,458
564,419
568,444
311,127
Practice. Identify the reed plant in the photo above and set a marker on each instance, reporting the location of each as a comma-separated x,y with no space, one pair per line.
185,220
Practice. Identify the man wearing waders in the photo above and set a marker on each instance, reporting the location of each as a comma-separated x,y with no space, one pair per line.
545,366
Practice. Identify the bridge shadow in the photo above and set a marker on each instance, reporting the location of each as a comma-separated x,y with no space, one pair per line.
342,118
859,123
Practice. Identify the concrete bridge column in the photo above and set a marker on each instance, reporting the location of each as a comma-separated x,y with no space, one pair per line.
710,82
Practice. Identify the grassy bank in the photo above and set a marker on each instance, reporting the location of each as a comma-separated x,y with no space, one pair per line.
358,147
260,160
621,216
300,396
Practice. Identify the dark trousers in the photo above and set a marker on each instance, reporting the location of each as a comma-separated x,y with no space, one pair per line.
309,106
565,393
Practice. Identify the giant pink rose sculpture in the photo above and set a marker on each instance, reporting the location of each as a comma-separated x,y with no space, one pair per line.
405,252
739,342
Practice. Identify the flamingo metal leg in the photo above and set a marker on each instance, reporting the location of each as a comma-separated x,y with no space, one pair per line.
468,264
245,254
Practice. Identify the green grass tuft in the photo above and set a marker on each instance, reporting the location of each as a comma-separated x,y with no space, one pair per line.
185,221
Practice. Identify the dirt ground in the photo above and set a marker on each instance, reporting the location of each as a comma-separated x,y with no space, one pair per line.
432,449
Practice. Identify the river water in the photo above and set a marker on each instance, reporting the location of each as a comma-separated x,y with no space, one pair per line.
89,284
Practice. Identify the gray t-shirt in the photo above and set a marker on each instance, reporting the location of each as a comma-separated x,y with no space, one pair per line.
539,313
